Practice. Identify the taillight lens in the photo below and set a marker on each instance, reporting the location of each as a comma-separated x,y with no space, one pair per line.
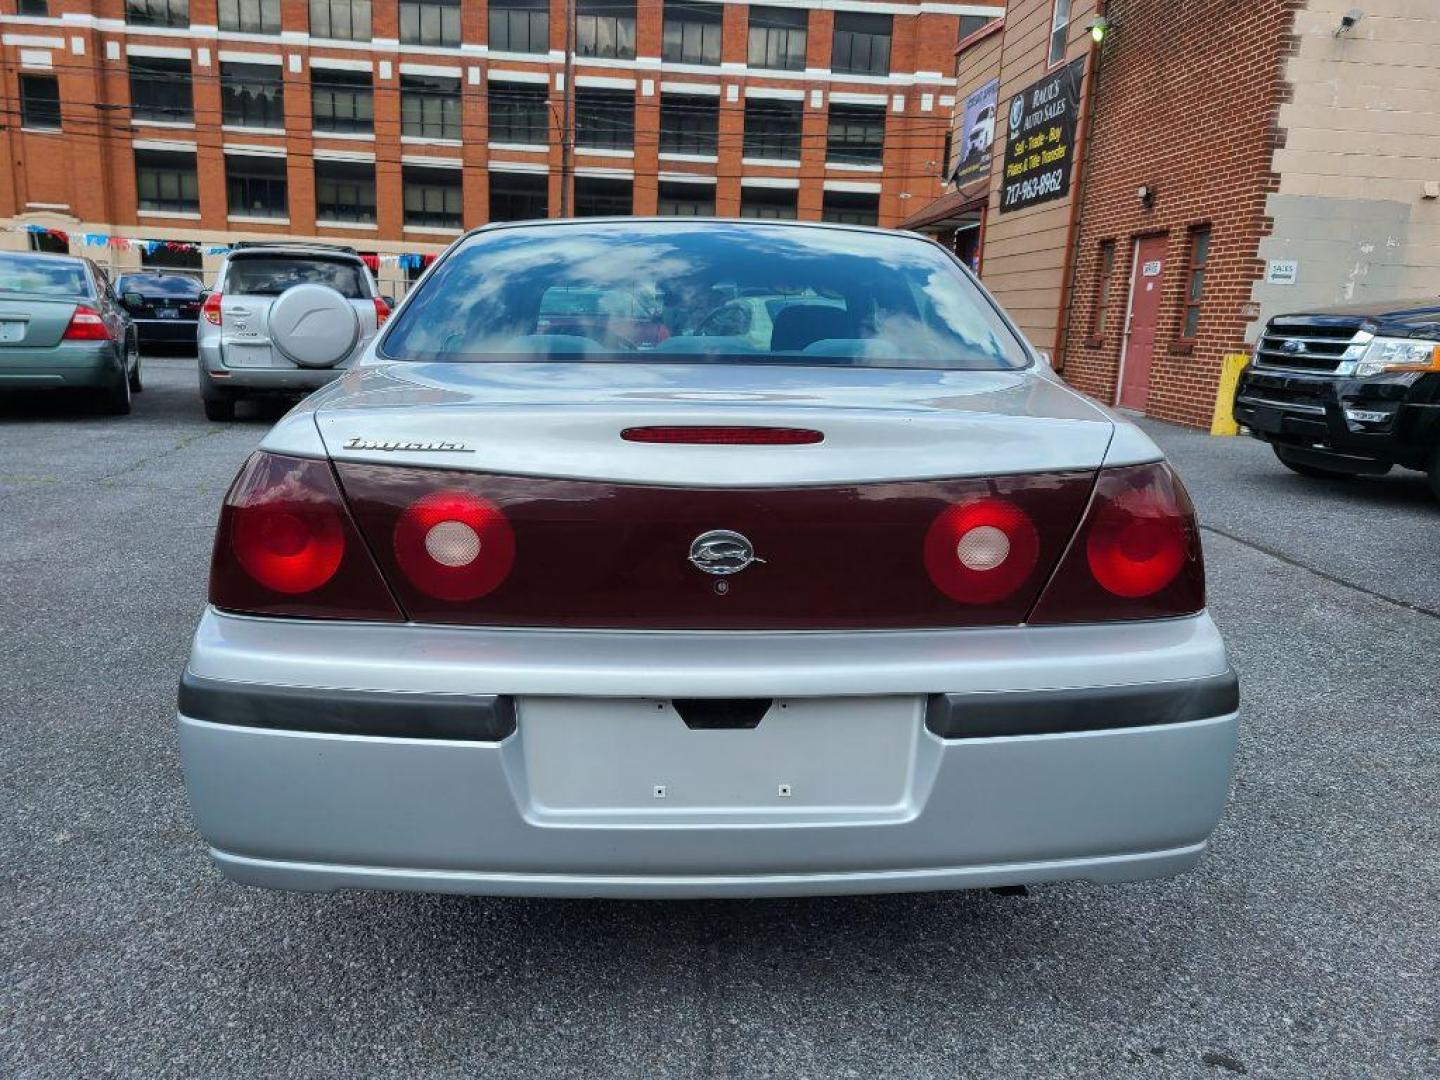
454,545
86,325
382,311
210,309
1137,554
286,546
982,551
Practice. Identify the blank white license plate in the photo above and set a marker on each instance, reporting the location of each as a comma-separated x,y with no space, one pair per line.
636,756
244,354
12,331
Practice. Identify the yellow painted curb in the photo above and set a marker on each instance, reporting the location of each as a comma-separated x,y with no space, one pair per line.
1223,422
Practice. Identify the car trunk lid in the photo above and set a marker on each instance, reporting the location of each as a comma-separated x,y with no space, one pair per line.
34,322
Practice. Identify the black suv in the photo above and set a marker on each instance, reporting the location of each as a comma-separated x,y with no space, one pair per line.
1348,391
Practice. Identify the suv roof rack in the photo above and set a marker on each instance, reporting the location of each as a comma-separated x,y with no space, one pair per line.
343,249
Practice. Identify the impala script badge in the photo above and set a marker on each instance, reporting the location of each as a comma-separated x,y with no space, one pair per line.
357,443
722,552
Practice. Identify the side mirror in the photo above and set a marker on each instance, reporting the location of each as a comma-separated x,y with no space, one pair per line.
389,302
132,299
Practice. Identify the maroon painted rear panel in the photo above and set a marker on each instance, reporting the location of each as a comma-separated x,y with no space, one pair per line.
589,554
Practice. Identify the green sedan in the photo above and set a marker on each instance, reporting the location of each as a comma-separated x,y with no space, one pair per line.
61,327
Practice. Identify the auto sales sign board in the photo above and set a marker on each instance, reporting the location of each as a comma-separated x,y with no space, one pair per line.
1040,149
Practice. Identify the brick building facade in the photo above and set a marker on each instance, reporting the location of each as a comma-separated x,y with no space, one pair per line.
1233,159
394,124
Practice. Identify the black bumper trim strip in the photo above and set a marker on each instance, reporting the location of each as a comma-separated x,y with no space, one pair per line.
379,713
1057,712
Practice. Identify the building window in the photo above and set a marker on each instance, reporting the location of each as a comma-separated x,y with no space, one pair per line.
862,43
160,90
689,124
40,102
51,243
166,181
686,200
777,38
434,198
1059,31
172,255
430,22
519,113
520,26
518,196
600,196
430,106
252,95
857,134
345,192
605,28
256,186
340,20
250,16
766,202
973,24
851,208
1104,285
772,129
692,33
342,101
33,7
604,119
1195,281
157,12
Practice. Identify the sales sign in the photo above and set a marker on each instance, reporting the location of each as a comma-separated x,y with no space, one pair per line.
1040,149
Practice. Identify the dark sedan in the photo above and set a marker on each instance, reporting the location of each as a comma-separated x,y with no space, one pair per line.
165,309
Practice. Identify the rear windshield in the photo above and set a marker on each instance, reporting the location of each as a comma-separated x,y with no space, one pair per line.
149,285
710,293
271,276
33,275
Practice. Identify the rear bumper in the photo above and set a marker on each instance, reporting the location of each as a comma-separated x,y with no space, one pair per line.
175,332
71,364
430,811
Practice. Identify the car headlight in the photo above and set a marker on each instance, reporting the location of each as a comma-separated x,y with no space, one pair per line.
1399,354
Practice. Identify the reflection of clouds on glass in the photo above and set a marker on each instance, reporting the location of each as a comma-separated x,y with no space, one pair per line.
569,292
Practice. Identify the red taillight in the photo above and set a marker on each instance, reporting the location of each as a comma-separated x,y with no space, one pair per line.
453,545
382,311
724,436
286,546
210,309
982,551
86,325
1137,554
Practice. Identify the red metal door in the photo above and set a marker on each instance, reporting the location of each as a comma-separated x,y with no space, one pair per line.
1144,313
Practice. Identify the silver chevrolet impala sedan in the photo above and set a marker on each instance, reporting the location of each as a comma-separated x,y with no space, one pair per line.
578,586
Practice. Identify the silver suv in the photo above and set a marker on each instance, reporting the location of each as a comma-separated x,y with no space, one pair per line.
265,284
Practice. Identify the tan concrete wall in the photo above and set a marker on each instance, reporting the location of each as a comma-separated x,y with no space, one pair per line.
1361,139
1025,249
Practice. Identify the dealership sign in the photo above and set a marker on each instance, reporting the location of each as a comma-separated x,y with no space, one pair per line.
977,134
1040,149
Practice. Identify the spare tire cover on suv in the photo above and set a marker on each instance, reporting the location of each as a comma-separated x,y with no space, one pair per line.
313,326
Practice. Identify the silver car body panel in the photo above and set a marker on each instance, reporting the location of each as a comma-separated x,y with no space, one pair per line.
566,804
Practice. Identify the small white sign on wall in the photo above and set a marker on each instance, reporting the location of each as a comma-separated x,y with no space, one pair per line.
1282,272
1152,268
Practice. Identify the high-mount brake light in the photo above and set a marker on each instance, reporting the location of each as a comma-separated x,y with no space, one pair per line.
286,546
382,311
981,551
454,545
210,309
86,325
1137,554
724,436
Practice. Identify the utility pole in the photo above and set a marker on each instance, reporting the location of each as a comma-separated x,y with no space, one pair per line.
567,124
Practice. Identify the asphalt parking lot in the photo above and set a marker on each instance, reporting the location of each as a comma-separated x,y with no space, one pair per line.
1304,945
